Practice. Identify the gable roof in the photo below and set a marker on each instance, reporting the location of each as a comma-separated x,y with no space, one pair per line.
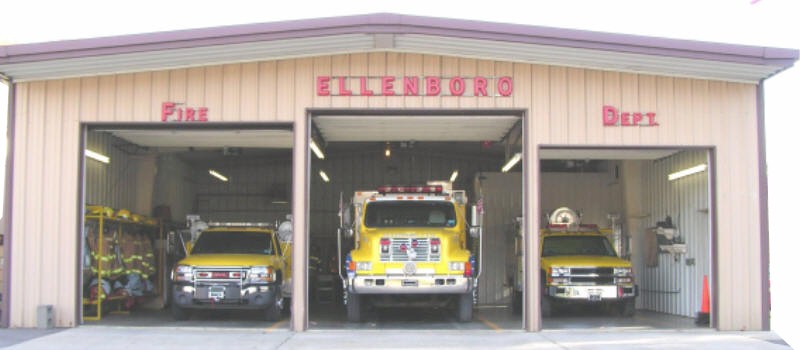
383,32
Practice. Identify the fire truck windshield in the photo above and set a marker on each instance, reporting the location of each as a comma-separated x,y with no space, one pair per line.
577,245
410,214
233,242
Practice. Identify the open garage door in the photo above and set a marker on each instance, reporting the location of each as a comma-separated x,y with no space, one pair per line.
140,186
651,208
411,284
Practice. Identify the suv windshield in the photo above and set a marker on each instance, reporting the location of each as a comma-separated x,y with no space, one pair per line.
410,214
577,245
233,242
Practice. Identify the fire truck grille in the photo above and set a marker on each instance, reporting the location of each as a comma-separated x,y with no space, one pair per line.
410,249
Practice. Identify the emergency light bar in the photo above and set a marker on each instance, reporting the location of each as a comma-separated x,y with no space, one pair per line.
437,189
239,224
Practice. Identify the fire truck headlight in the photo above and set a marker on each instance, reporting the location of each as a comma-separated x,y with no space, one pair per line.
560,271
622,271
456,266
364,266
623,280
261,274
182,273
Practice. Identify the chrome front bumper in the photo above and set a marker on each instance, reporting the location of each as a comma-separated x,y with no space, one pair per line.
435,284
592,293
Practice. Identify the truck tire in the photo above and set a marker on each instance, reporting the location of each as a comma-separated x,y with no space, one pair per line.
464,311
516,302
547,306
627,308
354,312
179,313
272,313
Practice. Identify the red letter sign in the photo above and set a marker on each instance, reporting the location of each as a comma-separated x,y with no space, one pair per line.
610,116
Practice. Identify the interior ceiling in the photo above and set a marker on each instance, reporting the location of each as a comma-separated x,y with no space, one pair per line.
416,128
443,133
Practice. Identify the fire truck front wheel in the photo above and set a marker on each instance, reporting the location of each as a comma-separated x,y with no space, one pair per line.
464,307
179,313
354,312
272,313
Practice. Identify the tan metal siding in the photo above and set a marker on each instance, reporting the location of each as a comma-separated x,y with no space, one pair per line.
556,101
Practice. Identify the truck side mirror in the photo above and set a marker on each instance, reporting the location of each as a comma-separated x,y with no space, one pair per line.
475,231
346,231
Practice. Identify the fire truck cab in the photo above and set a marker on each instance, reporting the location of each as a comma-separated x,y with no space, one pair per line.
409,248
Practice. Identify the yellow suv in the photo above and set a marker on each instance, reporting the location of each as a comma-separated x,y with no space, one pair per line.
232,266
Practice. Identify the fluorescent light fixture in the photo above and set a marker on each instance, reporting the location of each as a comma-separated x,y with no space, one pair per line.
97,156
512,162
214,173
454,175
317,150
686,172
324,176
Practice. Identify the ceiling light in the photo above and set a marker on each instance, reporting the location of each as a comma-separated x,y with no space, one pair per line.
214,173
511,162
324,176
454,175
317,150
686,172
388,151
97,156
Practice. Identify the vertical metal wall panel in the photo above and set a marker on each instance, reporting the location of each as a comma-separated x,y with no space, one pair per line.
175,187
675,285
594,195
728,119
113,184
502,201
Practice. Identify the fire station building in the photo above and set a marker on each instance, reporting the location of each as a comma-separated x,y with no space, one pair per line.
639,134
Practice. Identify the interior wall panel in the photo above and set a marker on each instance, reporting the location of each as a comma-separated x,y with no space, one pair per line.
674,284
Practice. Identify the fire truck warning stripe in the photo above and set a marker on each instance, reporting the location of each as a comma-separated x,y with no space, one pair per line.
490,324
275,326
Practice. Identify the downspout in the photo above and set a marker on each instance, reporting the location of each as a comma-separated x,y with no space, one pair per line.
7,238
763,211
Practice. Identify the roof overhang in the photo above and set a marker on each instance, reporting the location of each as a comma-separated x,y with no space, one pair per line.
392,33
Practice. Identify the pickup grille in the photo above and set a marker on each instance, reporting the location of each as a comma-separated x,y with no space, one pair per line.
416,249
591,275
219,274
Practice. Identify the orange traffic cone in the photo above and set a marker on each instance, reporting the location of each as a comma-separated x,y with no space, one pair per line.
703,316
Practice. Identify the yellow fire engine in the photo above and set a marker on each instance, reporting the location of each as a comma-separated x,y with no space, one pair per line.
409,248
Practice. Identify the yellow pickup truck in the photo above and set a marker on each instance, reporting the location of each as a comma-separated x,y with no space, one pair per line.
579,266
233,266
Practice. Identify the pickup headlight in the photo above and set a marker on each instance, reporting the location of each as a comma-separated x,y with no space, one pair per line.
559,271
261,274
622,271
183,273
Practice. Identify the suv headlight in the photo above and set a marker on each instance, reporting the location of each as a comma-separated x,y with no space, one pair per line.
559,271
622,271
183,273
261,274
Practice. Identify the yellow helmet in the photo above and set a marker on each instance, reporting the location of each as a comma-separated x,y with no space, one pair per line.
123,214
99,210
137,218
